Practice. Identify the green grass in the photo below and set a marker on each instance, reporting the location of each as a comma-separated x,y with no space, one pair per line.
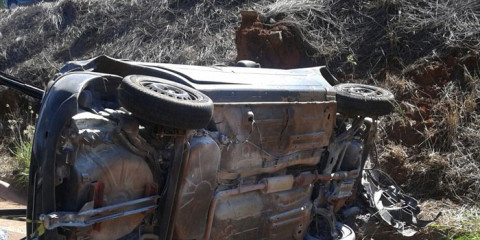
22,129
469,236
460,224
22,153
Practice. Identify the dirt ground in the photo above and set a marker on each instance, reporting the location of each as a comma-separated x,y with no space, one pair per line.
368,230
12,230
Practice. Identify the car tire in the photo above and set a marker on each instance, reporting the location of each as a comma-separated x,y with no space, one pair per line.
164,102
363,100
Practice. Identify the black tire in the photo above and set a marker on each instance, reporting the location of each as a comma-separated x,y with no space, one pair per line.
163,102
363,100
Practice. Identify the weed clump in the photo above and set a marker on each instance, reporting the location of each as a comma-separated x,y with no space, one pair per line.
20,131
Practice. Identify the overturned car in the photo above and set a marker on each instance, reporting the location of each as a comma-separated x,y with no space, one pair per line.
128,150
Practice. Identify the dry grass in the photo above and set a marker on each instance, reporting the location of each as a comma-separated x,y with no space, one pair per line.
374,34
383,38
456,221
433,142
377,34
426,52
37,40
323,25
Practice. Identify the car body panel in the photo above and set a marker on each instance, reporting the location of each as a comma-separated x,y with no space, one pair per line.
225,84
260,170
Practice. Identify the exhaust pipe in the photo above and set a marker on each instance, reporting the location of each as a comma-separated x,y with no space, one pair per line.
13,82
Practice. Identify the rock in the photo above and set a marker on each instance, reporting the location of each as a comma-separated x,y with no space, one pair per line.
273,46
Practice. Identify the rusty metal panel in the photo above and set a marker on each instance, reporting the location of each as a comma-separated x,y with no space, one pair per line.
266,137
292,224
258,215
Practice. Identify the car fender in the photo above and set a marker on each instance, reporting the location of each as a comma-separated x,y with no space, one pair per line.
59,104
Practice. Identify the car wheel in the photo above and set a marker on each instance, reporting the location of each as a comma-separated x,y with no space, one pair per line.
363,100
163,102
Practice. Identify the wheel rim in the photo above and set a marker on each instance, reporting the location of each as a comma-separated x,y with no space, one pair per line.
364,91
170,90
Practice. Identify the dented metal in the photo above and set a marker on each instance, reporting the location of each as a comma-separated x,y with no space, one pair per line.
276,161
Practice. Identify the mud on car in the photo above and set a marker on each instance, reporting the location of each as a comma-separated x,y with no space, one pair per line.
128,150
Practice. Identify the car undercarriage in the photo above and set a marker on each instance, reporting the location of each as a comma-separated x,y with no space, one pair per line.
128,150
